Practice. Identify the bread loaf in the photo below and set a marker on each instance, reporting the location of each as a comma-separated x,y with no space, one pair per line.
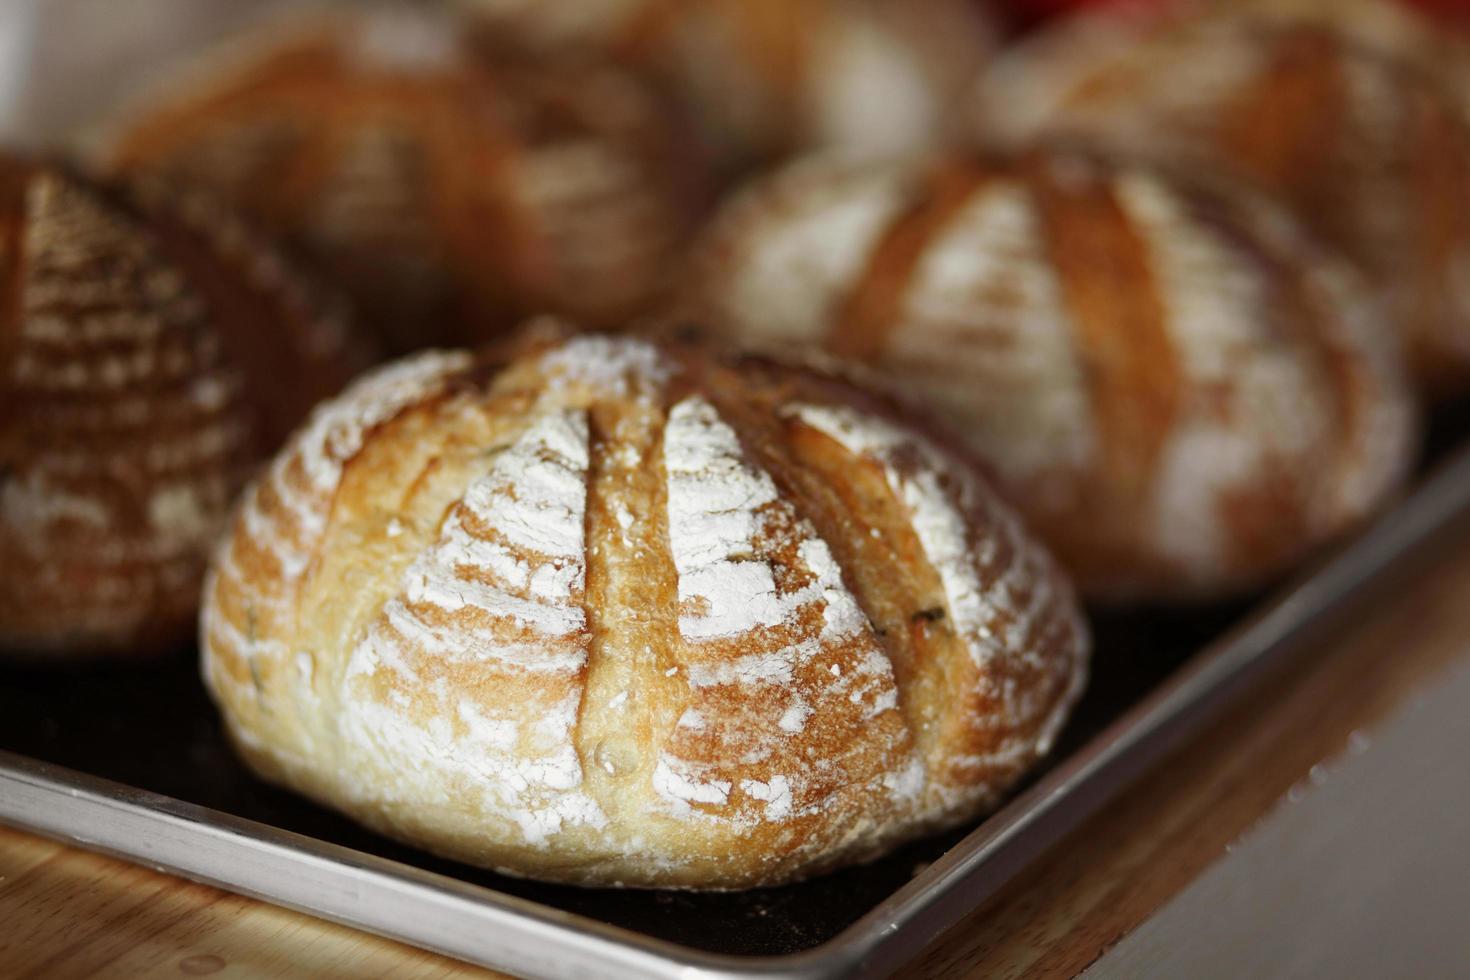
151,352
771,76
1371,150
617,613
448,193
1180,391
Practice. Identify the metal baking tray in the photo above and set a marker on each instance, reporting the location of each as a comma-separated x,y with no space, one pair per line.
130,760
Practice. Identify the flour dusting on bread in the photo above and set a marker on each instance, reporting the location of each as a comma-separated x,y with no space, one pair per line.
566,619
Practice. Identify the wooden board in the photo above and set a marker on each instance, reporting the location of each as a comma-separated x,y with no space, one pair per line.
66,913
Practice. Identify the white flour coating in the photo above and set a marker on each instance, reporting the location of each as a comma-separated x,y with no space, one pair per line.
533,502
335,431
793,720
787,252
333,434
404,40
672,781
867,91
776,793
713,499
716,502
531,781
986,328
937,522
754,668
615,367
1022,597
719,508
1215,304
908,783
510,555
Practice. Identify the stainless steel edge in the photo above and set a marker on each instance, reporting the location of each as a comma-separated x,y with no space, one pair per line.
502,932
389,898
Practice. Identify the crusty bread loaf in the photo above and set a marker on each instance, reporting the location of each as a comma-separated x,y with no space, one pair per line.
1370,149
448,193
771,76
617,613
151,351
1182,394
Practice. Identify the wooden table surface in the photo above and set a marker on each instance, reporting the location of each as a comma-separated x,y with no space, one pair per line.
68,913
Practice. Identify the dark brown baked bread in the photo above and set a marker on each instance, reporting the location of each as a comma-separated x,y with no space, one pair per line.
450,194
1345,114
621,613
151,352
1182,393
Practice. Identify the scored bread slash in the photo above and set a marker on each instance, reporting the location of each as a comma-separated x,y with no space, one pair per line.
1183,392
1353,113
819,635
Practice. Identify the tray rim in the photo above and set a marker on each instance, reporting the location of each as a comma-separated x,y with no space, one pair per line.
499,931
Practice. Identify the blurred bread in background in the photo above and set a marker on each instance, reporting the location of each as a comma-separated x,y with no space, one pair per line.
154,351
769,77
1336,109
1181,391
447,191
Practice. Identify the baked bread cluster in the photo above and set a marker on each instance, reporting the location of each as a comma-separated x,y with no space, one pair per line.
616,612
1183,394
768,77
152,352
1349,113
448,191
719,612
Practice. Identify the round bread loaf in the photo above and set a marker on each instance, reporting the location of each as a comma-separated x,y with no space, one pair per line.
151,353
617,613
1372,152
448,193
771,76
1182,394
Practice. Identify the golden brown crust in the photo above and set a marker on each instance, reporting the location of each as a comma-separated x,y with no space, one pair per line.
1352,113
1182,393
448,190
624,612
151,352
